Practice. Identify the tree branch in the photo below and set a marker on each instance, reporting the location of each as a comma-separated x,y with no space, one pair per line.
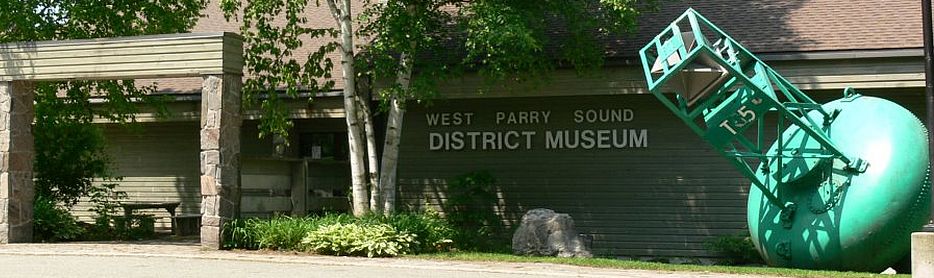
335,12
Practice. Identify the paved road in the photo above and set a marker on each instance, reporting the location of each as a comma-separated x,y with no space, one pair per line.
163,260
93,266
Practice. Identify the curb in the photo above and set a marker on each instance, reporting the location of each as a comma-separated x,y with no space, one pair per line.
554,270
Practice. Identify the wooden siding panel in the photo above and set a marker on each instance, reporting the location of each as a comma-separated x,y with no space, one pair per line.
159,162
177,55
141,57
272,182
672,195
265,205
320,108
664,200
266,186
890,73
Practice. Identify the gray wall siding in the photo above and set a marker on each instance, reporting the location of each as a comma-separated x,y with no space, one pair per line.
827,74
666,198
158,162
265,187
663,199
155,56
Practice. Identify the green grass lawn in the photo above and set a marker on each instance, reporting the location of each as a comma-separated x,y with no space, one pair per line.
625,264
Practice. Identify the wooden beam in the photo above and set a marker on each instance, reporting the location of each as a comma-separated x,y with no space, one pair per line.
157,56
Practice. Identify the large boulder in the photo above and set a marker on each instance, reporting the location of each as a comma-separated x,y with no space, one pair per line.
546,233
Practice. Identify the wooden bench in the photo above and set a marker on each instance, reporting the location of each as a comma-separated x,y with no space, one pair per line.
129,207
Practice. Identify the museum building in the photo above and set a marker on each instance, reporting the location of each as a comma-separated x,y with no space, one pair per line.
599,147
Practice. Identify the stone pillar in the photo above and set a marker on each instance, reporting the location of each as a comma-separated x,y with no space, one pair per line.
16,155
220,155
922,254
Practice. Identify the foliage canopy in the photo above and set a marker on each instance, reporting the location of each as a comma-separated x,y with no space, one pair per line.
409,47
69,149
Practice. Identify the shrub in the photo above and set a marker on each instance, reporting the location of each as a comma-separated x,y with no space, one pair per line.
109,221
53,222
432,232
239,234
105,201
71,151
136,227
428,231
282,232
111,227
736,249
277,233
471,208
357,239
334,218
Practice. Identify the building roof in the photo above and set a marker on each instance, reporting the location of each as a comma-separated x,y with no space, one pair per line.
768,26
763,26
213,21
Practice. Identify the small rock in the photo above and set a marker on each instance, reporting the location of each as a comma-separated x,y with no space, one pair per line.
546,233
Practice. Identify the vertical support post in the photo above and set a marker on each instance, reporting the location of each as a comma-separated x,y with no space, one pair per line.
928,79
220,155
16,157
922,243
299,190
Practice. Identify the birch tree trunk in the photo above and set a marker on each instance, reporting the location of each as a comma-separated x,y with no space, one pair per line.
387,180
376,205
342,15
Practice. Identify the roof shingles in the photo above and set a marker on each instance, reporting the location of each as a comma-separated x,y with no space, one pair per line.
794,25
762,26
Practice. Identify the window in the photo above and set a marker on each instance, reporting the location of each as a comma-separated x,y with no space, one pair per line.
324,145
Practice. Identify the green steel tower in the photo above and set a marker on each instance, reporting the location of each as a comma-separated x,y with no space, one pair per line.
839,185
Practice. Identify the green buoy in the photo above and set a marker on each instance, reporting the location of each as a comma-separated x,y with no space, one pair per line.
846,220
842,187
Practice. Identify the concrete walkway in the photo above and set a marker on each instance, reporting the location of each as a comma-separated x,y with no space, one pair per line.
163,259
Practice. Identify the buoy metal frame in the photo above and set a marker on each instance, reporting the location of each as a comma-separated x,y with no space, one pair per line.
727,109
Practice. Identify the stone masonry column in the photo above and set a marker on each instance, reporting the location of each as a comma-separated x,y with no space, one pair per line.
220,155
16,155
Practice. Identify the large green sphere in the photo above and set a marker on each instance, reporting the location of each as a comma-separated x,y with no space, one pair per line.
846,220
